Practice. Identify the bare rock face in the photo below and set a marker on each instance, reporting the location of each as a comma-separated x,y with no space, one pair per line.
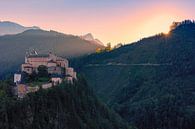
89,37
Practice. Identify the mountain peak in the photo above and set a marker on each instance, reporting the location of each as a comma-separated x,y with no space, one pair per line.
9,28
90,37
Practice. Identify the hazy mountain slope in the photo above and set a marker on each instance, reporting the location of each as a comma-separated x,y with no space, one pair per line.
7,28
149,83
62,107
14,47
89,37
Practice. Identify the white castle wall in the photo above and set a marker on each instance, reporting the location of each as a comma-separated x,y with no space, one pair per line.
17,78
46,86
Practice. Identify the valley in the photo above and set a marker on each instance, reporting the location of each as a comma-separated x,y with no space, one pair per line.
97,64
148,84
150,80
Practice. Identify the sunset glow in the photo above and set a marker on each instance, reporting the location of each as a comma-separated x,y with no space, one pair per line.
112,21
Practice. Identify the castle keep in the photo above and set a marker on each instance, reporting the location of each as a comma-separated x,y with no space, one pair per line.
57,68
54,64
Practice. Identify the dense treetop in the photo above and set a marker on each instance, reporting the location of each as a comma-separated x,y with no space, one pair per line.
62,107
151,82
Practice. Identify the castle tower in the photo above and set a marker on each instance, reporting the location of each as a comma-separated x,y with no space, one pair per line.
17,78
52,56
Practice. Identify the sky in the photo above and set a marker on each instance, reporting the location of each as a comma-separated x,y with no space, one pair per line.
115,21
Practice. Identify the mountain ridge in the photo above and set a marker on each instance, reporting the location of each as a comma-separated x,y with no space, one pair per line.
90,37
148,96
11,28
14,47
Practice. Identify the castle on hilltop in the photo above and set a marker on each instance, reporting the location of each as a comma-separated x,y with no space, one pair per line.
57,68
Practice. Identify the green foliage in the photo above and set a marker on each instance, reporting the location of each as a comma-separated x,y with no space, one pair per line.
148,96
42,71
62,107
36,79
6,89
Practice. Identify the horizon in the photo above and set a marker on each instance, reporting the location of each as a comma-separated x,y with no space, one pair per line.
109,21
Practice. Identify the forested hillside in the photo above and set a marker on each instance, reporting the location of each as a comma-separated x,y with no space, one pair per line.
150,83
62,107
14,47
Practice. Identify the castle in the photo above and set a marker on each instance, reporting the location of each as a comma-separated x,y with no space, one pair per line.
57,67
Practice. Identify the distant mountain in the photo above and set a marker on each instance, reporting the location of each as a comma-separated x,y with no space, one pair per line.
150,83
14,47
89,37
7,28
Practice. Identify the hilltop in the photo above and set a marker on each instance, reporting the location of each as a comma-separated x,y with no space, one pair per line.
48,94
62,107
150,83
